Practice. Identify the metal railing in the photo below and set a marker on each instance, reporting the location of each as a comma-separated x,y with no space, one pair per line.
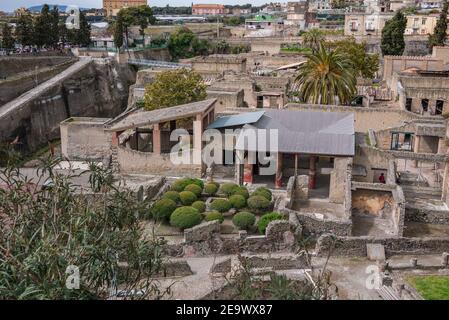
158,64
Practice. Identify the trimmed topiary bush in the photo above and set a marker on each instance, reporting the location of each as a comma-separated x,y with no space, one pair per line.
185,217
214,215
228,188
266,219
187,197
162,209
258,203
210,189
264,192
237,201
172,195
241,191
199,205
197,190
180,184
244,220
221,205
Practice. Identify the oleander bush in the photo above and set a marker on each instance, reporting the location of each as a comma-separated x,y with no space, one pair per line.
266,219
214,215
199,205
237,201
243,191
244,220
210,189
228,188
172,195
221,205
264,192
258,203
187,197
162,209
185,217
197,190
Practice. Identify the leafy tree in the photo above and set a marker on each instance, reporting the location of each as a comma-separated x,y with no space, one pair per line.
42,27
393,35
7,37
364,64
326,77
183,43
54,31
141,16
439,35
313,38
174,87
25,29
48,234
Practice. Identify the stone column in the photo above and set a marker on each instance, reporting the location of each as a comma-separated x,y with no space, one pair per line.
197,139
156,139
445,182
416,149
312,172
296,164
278,177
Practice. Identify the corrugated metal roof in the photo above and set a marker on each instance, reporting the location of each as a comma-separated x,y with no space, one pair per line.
308,132
236,120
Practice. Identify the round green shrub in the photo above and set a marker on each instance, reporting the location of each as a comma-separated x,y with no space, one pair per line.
210,189
244,220
172,195
185,217
266,219
214,215
228,188
264,192
162,209
187,197
242,191
180,184
237,201
194,188
258,203
221,205
199,205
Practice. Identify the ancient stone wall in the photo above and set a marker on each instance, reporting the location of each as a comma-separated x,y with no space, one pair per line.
427,216
85,139
356,246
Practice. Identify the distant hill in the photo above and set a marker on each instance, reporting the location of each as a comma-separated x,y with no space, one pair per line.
61,8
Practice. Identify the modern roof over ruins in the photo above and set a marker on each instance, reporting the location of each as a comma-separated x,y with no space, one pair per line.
144,118
307,132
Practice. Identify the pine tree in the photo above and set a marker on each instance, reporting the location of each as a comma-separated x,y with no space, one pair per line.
439,35
7,37
42,28
118,34
393,35
25,29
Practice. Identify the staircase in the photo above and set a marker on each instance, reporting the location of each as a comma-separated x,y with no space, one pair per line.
387,293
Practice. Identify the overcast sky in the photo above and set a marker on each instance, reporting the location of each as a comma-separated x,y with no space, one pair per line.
11,5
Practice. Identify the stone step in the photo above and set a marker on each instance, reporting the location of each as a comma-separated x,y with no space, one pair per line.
387,293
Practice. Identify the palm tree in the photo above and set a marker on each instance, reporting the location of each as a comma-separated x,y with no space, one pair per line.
313,38
326,77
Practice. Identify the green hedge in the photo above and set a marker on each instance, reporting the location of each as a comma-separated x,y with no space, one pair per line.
264,192
199,205
185,217
244,220
228,188
197,190
162,209
214,215
237,201
210,189
187,197
180,184
258,203
221,205
266,219
241,191
172,195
